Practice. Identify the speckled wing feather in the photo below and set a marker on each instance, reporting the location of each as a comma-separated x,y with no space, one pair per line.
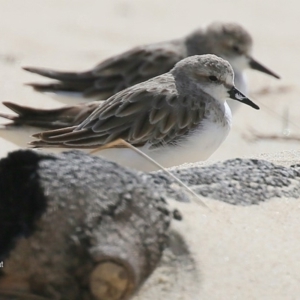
116,73
49,118
147,113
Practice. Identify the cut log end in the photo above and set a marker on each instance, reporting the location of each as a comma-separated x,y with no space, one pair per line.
111,281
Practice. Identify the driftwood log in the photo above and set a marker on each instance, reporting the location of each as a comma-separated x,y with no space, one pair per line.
76,227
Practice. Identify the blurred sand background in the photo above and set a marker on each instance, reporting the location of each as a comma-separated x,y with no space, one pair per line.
242,253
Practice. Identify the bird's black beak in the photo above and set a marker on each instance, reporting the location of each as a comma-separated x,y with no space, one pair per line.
235,94
255,65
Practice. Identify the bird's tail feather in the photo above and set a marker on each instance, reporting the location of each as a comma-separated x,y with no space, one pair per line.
48,118
62,76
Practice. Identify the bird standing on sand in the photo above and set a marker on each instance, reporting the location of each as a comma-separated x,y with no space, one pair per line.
230,41
178,117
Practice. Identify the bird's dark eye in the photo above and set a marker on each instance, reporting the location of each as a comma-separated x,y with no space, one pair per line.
236,49
213,78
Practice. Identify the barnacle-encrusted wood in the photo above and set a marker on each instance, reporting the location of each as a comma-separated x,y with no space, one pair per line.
77,227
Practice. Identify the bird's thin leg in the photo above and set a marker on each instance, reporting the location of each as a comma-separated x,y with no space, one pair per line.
128,145
109,145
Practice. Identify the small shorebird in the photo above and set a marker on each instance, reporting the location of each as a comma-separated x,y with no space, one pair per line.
178,117
227,40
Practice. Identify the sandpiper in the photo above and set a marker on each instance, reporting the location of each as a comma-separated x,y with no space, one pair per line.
178,117
228,40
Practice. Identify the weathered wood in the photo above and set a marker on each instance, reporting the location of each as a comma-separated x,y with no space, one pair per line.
100,231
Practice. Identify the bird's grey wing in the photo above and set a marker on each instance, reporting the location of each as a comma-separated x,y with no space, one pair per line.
116,73
151,113
136,65
49,118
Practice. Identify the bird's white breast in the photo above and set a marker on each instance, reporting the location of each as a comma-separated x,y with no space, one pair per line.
199,145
